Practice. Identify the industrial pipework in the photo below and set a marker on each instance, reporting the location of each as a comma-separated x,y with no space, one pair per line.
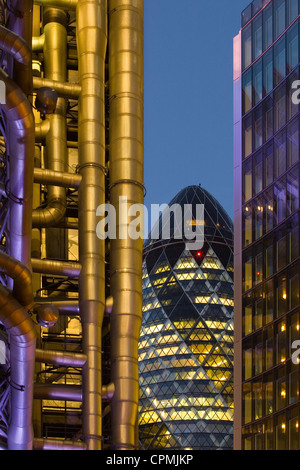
71,140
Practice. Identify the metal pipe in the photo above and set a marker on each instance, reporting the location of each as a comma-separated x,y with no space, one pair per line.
57,178
41,130
56,268
57,444
19,20
55,52
20,149
91,43
63,4
22,288
38,45
60,358
21,331
65,307
64,90
58,392
15,46
126,180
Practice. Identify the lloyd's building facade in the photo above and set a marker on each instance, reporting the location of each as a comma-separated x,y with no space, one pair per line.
266,219
71,125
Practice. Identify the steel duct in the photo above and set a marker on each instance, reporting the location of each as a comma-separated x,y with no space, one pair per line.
55,52
126,180
21,275
21,331
15,45
19,20
20,141
91,45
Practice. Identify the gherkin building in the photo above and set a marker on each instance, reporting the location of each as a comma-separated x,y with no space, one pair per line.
186,341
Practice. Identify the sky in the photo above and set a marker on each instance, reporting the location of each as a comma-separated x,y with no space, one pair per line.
188,76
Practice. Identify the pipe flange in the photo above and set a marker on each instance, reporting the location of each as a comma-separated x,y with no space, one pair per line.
129,181
79,167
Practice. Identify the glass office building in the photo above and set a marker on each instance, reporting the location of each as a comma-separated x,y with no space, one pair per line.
186,342
266,219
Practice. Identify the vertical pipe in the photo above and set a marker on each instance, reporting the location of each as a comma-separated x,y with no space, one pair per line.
91,43
126,180
20,21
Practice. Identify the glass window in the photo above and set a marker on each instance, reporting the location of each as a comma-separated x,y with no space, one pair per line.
269,165
258,173
258,271
257,36
247,140
268,395
268,27
247,363
279,154
258,355
268,118
247,225
247,49
281,343
269,250
292,108
279,61
292,48
292,143
269,349
269,434
294,286
294,431
247,15
293,236
247,181
248,273
247,402
247,317
257,398
282,295
257,82
269,204
279,17
268,72
279,108
280,431
269,293
258,302
281,250
292,10
247,91
258,218
258,127
280,201
256,6
292,190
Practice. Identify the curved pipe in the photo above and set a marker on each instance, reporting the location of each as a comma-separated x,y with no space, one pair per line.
15,46
55,52
126,180
91,43
20,149
21,331
37,45
22,289
19,20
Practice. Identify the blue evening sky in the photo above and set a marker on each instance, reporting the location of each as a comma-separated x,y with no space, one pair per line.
189,97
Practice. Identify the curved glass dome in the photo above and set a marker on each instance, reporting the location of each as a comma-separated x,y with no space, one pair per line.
186,342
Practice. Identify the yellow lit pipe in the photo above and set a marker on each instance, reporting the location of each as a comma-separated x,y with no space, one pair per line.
126,179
